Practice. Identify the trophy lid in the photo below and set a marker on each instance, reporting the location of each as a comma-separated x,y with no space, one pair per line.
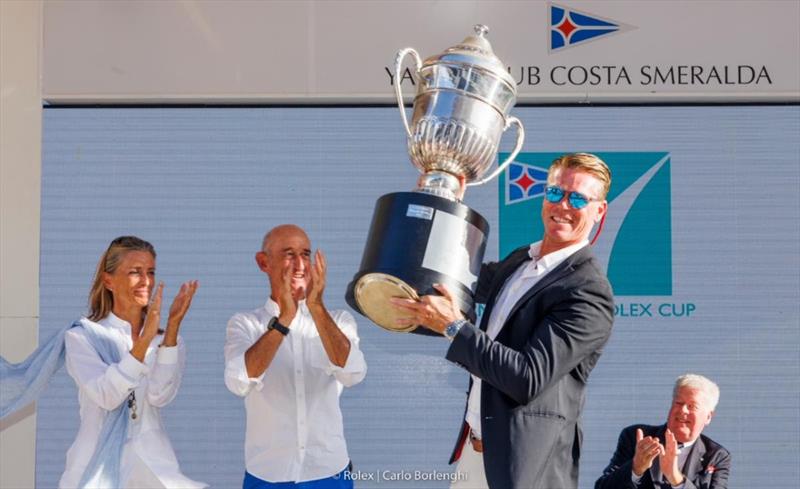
475,50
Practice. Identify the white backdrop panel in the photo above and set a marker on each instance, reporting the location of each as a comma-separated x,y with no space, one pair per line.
204,184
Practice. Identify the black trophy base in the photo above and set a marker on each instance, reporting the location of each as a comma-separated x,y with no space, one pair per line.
416,240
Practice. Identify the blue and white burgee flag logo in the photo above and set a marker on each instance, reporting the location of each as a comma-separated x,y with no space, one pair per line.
524,182
569,27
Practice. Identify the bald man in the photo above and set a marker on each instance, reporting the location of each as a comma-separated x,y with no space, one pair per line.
290,360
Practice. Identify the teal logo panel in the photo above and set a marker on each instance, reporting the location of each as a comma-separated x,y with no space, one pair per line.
635,244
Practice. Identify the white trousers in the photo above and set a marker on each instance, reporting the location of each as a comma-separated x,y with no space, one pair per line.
470,473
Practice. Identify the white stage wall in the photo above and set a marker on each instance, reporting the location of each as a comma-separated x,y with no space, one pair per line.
322,51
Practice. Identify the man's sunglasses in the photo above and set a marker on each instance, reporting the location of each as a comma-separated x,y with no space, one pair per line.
576,200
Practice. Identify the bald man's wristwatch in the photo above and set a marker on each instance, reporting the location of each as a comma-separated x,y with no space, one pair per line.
274,324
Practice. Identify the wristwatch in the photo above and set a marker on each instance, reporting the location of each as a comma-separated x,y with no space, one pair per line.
451,330
274,324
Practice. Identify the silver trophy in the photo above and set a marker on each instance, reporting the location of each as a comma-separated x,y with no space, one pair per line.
461,110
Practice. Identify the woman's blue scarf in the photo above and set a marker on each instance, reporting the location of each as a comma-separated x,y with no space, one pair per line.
22,383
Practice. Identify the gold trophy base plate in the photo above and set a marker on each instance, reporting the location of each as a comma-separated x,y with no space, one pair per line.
372,293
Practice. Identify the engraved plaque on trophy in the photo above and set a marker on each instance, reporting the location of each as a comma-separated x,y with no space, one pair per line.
426,236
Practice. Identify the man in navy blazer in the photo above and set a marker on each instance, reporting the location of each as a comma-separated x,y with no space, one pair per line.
675,454
549,312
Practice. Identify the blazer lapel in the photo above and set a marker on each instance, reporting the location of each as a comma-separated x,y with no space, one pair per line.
655,469
655,473
508,267
692,465
694,459
563,269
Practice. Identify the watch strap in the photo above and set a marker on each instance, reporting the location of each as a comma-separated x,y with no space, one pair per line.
453,328
274,324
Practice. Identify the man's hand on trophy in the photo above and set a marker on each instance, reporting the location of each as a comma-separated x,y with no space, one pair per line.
317,283
434,312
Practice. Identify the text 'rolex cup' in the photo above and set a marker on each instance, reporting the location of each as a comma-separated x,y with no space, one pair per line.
426,236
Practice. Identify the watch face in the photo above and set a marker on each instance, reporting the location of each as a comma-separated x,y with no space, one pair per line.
452,329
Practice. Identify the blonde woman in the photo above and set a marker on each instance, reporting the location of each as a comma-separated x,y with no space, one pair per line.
126,369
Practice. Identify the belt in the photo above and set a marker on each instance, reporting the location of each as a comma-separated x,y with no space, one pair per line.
477,443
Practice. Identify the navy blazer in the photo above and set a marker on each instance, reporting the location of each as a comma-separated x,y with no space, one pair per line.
707,466
535,372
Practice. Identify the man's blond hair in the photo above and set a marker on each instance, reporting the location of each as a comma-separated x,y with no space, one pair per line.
584,162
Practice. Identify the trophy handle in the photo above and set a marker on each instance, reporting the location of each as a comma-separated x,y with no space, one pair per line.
398,63
502,166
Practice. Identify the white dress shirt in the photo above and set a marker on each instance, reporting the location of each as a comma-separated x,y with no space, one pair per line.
147,457
517,284
294,424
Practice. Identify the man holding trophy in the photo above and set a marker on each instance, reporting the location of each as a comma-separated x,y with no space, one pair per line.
549,306
549,312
